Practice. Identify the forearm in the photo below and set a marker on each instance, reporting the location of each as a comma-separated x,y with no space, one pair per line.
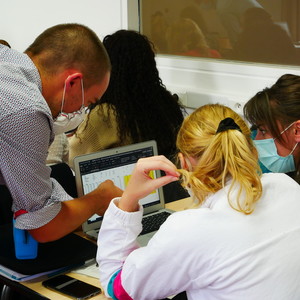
117,238
127,271
74,212
120,228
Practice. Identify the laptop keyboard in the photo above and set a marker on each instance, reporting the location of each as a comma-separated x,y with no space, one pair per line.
153,222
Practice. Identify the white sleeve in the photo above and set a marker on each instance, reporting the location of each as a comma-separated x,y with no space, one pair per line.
146,271
116,239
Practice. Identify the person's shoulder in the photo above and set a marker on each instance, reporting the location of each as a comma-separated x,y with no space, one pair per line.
274,176
190,217
103,109
203,223
279,179
16,59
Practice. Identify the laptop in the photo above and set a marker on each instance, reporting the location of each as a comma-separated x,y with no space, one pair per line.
117,165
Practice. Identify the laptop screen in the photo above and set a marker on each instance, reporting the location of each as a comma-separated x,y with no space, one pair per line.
117,165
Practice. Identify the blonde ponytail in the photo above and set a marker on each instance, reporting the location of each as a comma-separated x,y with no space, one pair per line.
221,156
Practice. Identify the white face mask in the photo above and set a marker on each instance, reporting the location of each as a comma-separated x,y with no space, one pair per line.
65,122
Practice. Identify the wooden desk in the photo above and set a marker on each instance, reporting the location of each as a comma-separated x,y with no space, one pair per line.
44,292
180,204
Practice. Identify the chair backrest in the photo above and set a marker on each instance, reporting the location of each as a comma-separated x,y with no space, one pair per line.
64,175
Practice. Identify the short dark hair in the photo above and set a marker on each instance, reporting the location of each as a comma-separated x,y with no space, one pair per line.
4,42
71,46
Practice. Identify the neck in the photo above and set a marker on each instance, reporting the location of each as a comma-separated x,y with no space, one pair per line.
52,89
54,105
48,86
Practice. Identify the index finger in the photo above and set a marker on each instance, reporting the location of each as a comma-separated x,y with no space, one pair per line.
158,163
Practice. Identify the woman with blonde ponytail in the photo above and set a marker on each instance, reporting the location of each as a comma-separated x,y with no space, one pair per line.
220,152
241,242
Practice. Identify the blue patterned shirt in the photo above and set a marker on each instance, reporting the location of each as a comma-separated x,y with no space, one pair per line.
25,135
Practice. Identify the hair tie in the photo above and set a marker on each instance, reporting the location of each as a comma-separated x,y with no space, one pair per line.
227,124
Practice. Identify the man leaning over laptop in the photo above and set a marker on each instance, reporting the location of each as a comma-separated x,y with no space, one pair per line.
44,91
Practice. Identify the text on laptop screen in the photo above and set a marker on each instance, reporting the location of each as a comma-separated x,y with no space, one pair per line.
118,168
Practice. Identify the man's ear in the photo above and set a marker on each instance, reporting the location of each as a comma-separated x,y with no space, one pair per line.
297,131
72,79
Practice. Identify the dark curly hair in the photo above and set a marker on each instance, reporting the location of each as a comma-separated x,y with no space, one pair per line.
144,108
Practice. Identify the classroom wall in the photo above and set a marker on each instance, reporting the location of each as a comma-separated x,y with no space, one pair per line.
21,21
197,81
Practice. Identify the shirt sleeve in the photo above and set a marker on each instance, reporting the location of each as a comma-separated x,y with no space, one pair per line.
119,229
128,271
25,137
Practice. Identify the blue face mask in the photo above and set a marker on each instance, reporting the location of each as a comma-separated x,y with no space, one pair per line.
269,159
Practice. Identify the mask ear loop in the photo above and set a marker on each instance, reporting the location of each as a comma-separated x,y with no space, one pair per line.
294,148
63,100
82,93
285,131
287,128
